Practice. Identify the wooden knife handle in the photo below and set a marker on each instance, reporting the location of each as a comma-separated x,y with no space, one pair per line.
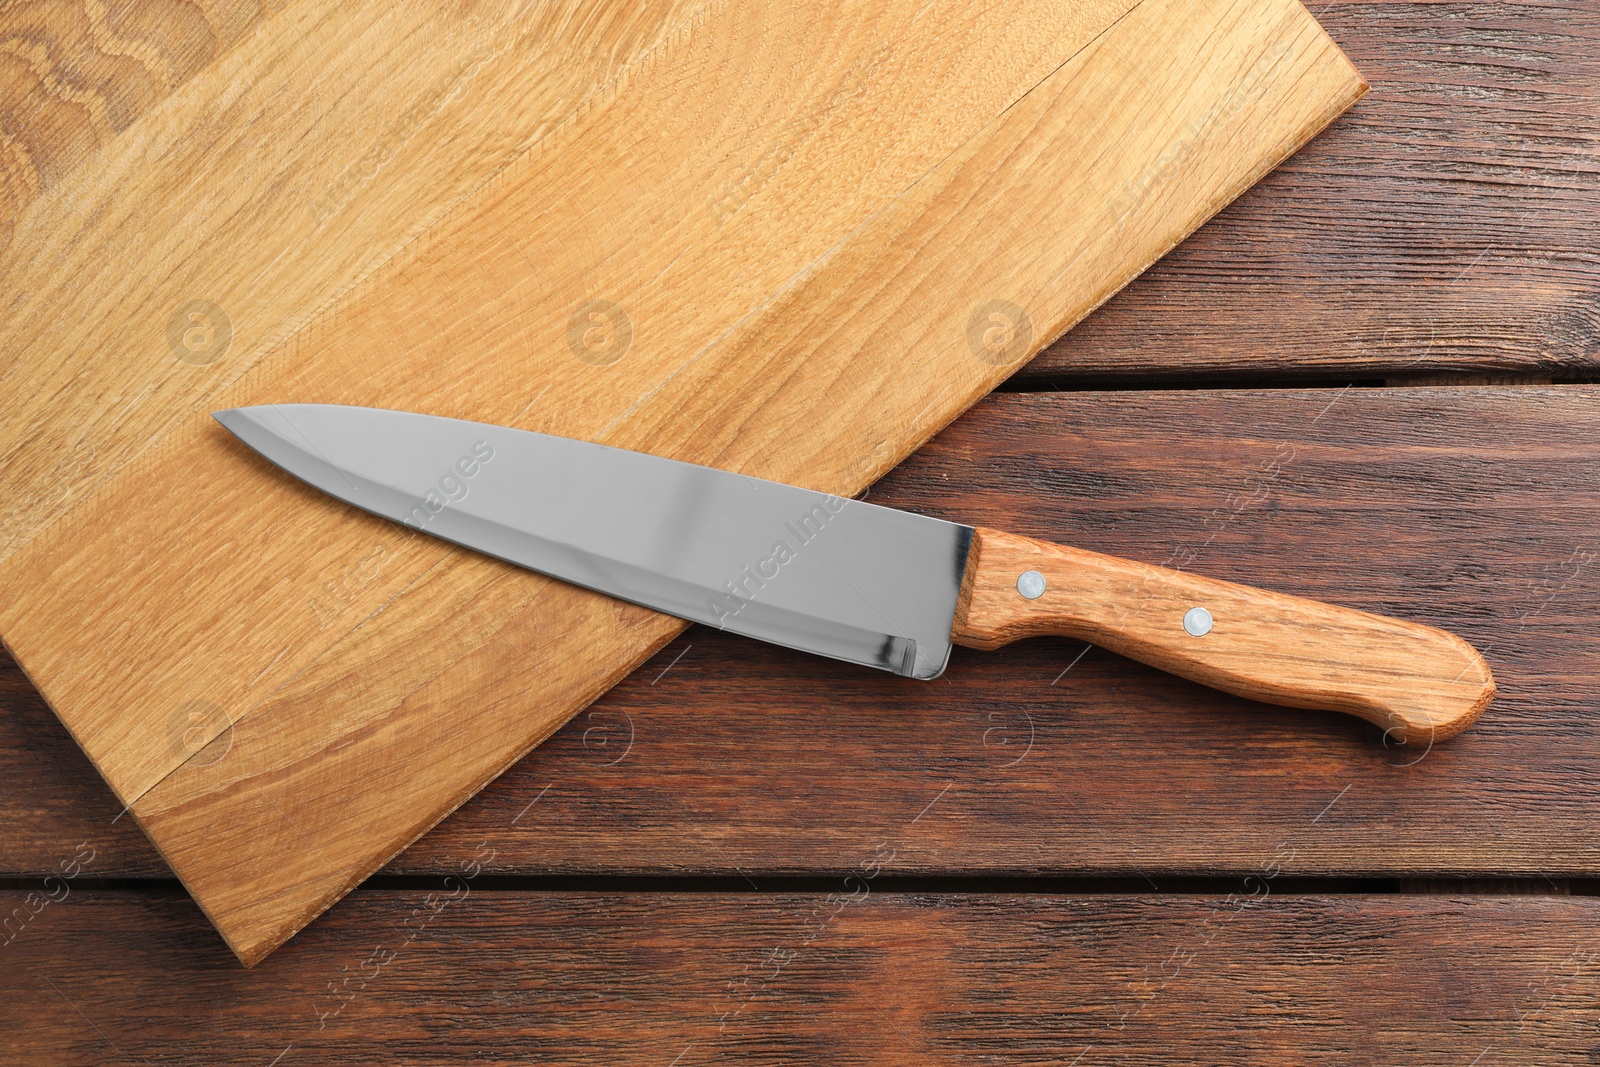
1419,683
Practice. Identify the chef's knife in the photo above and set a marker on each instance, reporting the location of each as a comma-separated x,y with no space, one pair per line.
849,579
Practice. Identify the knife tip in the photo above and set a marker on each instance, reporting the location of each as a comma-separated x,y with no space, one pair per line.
233,420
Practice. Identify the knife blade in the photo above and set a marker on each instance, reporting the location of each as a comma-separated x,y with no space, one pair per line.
848,579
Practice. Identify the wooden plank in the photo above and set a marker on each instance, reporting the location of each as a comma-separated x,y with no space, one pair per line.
1470,509
456,975
1462,186
423,660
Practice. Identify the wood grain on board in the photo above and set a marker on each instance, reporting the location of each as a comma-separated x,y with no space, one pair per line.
74,75
218,223
1474,510
1445,225
286,693
858,976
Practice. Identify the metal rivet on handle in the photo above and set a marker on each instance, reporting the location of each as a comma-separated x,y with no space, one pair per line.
1197,621
1031,584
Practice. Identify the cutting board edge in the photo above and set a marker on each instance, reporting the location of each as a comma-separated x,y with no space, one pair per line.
252,951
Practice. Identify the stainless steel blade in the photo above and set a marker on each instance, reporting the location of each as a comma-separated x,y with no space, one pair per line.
820,573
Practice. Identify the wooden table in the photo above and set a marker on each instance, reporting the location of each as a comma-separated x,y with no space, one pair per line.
1363,382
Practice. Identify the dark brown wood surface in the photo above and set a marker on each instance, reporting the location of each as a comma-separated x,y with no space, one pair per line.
939,873
459,975
1470,509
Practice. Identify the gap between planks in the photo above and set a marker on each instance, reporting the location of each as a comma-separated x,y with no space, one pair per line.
757,883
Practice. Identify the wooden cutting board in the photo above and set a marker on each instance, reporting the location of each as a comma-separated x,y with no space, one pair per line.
794,243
